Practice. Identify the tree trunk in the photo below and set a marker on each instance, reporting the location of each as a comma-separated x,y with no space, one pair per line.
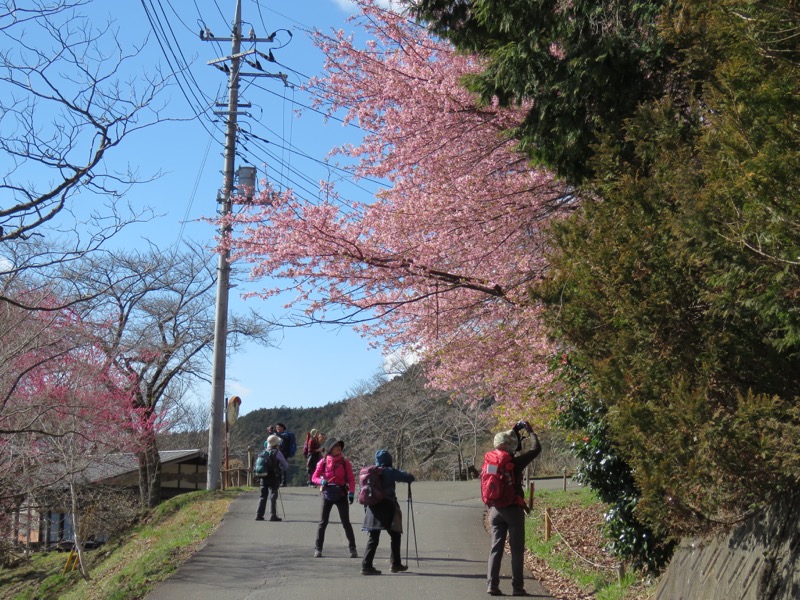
149,473
77,537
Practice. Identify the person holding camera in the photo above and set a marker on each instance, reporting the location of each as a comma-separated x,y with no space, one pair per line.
501,490
334,475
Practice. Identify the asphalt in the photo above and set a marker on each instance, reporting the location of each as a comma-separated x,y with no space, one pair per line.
246,559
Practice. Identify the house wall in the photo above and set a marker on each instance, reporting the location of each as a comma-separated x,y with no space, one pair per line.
182,477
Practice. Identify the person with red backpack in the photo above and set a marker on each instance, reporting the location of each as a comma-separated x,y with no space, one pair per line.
334,475
312,451
501,491
379,498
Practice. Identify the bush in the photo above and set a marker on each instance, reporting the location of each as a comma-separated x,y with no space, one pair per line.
607,473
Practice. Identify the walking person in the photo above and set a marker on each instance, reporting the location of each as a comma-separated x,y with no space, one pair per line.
270,464
288,446
501,491
334,475
385,516
312,450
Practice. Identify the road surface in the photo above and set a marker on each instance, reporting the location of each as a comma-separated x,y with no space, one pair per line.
248,560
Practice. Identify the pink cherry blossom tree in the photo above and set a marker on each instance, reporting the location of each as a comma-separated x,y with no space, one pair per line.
443,258
64,408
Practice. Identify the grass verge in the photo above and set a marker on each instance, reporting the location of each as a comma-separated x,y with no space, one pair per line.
131,565
573,564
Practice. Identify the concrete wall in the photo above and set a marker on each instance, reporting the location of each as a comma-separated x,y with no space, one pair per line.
757,560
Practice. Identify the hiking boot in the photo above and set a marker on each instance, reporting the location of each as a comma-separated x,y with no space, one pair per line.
519,592
259,518
353,553
494,591
369,571
317,553
398,568
275,518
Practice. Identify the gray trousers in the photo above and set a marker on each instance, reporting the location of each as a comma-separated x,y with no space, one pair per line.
508,521
271,492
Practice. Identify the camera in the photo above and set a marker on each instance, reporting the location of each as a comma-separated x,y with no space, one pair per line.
523,426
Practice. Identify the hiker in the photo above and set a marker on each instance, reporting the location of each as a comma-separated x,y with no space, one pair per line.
272,464
288,446
334,475
501,491
312,450
385,515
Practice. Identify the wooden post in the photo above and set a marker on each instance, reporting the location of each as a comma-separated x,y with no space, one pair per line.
531,490
250,452
547,524
565,479
620,572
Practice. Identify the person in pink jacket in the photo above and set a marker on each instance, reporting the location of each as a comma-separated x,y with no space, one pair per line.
334,475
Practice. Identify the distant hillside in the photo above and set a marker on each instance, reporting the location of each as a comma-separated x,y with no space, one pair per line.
250,430
431,433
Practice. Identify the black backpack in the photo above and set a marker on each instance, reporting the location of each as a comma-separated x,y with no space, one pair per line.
267,466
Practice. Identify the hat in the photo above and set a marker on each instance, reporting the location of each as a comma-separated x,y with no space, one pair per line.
383,458
331,442
313,433
273,441
506,440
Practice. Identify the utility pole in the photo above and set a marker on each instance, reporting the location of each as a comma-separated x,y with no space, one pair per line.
223,270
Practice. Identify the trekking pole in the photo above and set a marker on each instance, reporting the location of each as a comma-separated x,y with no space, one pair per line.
408,519
413,526
280,497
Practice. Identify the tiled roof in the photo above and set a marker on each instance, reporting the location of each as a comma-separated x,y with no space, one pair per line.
112,466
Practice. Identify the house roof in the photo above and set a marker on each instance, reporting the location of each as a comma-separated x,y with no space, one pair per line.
112,466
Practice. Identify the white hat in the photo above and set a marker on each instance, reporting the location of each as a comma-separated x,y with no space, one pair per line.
506,440
273,441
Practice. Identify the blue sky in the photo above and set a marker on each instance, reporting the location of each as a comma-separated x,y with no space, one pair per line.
310,366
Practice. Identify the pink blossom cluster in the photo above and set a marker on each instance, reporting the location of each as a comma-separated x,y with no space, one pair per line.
62,400
443,258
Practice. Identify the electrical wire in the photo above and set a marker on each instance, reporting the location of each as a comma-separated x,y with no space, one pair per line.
187,86
193,195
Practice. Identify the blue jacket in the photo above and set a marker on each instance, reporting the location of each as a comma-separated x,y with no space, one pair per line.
288,443
391,475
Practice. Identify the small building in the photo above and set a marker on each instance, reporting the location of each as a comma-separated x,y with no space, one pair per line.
37,525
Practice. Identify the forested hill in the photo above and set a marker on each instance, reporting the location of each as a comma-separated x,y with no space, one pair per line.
250,429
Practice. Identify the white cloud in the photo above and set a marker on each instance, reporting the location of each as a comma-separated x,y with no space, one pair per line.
234,388
398,361
351,6
5,265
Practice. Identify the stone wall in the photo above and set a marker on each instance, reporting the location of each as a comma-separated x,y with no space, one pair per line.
757,560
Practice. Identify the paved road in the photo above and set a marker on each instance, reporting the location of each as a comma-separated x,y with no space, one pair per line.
248,560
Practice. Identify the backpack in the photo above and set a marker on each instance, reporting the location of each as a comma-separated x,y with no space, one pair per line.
370,485
267,466
497,479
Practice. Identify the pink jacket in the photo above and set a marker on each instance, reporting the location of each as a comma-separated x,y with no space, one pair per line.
336,469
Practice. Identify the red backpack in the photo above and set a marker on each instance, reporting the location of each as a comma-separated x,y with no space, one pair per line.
497,479
370,484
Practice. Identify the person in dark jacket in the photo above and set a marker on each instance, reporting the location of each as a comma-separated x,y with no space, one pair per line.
509,521
288,446
385,516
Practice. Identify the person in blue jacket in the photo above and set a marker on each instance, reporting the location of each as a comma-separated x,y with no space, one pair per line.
386,516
